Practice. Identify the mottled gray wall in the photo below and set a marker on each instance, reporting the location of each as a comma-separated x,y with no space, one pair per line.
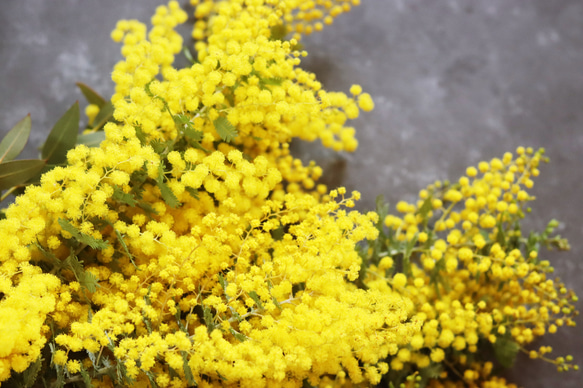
454,82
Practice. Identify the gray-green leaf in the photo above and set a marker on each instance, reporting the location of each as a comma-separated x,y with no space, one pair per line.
15,140
253,295
63,137
225,129
16,172
31,373
104,115
238,336
91,95
82,237
187,370
167,194
92,139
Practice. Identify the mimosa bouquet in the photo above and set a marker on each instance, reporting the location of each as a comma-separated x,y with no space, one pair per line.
176,241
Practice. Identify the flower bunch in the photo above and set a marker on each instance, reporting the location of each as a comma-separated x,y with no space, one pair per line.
178,243
477,282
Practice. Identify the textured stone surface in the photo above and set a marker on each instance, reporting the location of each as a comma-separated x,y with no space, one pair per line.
454,82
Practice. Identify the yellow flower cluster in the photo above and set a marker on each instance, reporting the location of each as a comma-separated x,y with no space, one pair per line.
192,251
191,248
470,272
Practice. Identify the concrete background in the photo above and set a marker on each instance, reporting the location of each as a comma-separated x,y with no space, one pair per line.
454,82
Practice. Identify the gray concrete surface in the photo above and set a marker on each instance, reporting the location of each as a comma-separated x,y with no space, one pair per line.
454,82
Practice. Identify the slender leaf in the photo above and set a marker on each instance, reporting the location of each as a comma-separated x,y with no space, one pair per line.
167,194
222,282
17,172
15,140
256,299
225,129
208,319
91,95
140,134
104,115
82,237
30,375
86,377
187,370
125,247
238,336
188,55
63,137
92,139
152,379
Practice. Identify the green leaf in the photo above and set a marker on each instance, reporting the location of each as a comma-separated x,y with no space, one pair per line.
188,55
92,139
225,129
60,382
193,192
222,282
140,134
85,278
82,237
253,295
30,375
91,95
208,319
506,350
125,247
15,140
432,371
17,172
152,379
167,194
275,302
424,210
278,32
104,115
89,281
238,336
192,134
407,255
63,137
274,81
126,198
187,370
86,377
